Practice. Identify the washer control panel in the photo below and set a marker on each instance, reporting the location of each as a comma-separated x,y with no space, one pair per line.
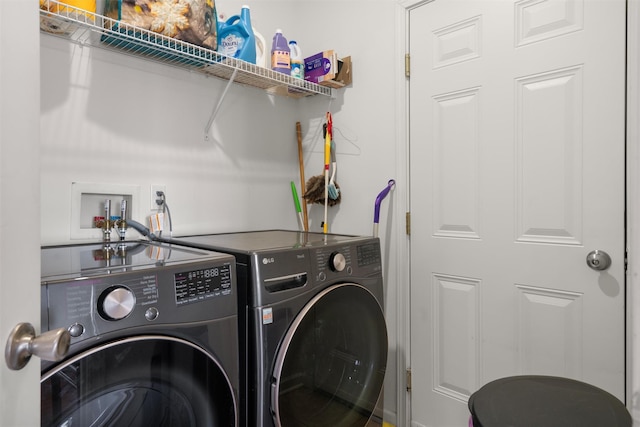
94,306
368,254
347,260
198,285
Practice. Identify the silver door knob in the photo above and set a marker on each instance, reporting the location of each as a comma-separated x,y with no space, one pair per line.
598,260
23,343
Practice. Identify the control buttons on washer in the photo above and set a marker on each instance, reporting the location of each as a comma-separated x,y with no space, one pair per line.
322,276
116,303
151,314
337,261
76,330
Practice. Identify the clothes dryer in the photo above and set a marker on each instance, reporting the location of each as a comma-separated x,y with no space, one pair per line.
153,336
313,336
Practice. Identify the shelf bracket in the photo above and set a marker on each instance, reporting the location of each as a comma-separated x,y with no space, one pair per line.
214,113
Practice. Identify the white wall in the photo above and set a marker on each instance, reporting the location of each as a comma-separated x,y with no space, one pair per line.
114,119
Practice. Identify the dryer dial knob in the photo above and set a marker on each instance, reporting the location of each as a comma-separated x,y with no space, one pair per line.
337,261
116,303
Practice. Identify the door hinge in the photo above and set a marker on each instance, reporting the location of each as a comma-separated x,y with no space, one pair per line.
407,65
409,379
626,259
408,223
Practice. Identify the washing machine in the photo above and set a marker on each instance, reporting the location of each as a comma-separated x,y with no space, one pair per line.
153,336
313,336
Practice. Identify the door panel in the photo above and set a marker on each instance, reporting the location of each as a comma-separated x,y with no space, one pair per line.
517,173
20,201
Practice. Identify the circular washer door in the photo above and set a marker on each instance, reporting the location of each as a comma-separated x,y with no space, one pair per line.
139,381
330,366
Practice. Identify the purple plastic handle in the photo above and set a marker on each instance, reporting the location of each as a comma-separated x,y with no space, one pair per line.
381,196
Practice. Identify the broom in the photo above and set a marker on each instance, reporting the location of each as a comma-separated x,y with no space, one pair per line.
315,187
305,223
327,160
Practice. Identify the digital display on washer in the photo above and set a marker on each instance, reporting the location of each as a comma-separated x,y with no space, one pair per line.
198,285
368,255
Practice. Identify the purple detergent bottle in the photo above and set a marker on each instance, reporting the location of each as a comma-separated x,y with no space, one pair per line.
280,54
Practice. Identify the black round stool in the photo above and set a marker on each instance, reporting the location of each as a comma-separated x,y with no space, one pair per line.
543,401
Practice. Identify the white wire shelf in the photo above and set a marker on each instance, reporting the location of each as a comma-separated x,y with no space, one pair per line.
92,29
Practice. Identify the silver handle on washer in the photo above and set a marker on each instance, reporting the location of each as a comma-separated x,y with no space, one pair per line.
23,343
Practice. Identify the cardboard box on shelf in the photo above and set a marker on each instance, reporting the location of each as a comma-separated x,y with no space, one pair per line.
326,69
321,66
343,76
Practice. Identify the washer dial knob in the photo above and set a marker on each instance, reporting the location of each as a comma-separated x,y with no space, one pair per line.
337,261
116,303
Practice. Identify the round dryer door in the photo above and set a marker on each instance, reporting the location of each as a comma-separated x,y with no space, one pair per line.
140,381
330,366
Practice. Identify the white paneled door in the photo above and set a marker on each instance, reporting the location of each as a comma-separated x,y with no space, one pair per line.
19,202
517,173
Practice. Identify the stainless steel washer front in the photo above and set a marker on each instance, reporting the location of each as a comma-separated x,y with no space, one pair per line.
313,336
154,336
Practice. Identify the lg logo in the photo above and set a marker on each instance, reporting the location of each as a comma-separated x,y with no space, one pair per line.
266,260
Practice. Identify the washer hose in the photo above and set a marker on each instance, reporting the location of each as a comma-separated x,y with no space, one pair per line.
141,229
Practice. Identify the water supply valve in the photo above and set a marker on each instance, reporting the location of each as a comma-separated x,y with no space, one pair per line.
107,222
121,223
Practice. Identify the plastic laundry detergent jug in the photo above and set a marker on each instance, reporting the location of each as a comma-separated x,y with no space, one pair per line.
261,49
280,54
297,61
236,38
